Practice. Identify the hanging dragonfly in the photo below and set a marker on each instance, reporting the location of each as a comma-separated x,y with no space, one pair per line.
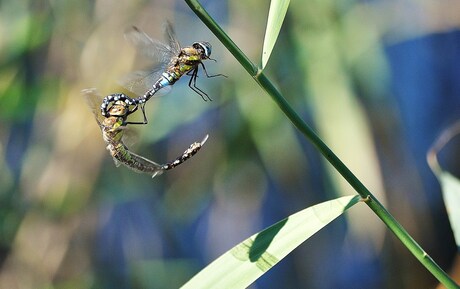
113,127
172,62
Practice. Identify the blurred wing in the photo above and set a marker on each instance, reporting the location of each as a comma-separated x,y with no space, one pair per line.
170,35
152,49
157,52
140,81
130,136
94,100
161,54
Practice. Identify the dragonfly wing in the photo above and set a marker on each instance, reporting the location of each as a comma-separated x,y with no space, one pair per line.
170,35
161,54
130,136
94,100
152,49
140,81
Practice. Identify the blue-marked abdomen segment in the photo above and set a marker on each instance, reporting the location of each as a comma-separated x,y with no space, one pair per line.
165,80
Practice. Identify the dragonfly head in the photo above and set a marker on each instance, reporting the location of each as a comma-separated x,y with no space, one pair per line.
204,48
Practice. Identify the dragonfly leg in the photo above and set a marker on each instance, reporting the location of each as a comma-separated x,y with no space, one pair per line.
143,113
133,110
192,85
145,121
214,75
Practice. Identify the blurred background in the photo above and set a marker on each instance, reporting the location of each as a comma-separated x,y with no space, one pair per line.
378,80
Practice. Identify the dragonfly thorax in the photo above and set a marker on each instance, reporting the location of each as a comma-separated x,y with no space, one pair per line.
204,49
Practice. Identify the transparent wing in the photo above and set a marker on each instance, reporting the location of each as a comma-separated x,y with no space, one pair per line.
140,81
150,48
94,100
156,52
170,35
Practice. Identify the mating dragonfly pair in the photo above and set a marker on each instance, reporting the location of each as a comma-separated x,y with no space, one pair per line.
172,63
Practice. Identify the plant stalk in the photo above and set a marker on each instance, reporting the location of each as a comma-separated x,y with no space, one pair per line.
298,122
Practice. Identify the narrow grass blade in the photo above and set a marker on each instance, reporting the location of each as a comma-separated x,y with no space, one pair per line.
451,194
247,261
450,185
278,9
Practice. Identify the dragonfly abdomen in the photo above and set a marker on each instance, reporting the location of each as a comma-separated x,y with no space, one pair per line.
135,162
123,155
166,79
190,152
113,98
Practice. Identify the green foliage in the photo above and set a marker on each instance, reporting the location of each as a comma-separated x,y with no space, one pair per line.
243,264
450,184
276,14
308,132
59,188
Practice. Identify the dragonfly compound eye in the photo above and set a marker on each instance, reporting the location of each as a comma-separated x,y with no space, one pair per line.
204,48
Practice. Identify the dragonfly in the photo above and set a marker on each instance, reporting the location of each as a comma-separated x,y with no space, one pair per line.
172,62
113,129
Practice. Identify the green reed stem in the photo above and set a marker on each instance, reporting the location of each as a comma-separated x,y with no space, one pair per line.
369,198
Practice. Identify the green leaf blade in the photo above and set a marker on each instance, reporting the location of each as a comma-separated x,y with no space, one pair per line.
276,15
246,262
451,195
